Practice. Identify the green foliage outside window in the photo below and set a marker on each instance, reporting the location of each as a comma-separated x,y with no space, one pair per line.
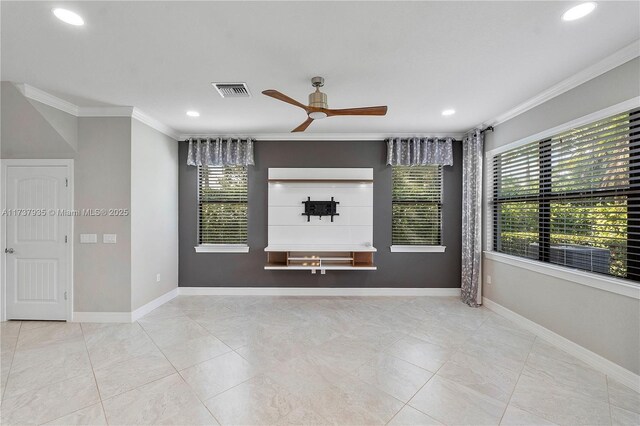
222,212
587,191
417,205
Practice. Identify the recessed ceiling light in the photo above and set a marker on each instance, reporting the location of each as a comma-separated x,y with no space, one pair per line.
68,16
447,112
579,11
193,113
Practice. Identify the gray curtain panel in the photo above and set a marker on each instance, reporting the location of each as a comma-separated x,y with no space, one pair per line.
472,152
220,152
419,151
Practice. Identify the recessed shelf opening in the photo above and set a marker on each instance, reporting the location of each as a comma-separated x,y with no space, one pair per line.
320,260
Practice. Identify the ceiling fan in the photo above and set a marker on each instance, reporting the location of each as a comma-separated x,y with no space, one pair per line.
318,109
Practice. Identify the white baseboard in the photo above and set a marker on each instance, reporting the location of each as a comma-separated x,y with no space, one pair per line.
315,291
157,302
124,316
101,317
610,368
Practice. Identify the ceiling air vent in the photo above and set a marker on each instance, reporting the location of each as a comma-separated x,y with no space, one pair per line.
232,90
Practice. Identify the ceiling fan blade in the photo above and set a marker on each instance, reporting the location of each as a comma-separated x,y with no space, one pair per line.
284,98
376,110
303,126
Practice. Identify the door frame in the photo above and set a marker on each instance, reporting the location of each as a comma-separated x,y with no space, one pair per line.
68,163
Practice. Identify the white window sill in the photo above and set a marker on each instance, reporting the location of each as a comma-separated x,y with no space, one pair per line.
222,248
577,276
418,249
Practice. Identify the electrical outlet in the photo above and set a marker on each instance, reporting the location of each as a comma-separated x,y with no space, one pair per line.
488,279
157,278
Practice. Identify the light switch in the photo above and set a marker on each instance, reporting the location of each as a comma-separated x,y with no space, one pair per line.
109,238
88,238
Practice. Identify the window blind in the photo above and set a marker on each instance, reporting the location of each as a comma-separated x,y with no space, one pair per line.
417,205
222,205
573,199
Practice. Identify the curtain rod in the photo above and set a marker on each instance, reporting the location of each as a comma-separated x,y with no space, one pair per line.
330,138
309,140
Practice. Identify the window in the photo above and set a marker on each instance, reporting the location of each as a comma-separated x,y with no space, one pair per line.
222,205
417,205
573,199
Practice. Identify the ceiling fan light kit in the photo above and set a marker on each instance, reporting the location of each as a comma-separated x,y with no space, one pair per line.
318,107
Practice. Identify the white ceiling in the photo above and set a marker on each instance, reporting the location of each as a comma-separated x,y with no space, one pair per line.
481,58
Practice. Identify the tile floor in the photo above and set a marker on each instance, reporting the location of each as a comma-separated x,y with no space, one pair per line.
279,360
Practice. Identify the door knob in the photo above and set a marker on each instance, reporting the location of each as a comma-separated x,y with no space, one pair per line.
8,250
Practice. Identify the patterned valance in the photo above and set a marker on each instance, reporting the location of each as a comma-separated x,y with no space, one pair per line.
419,151
220,152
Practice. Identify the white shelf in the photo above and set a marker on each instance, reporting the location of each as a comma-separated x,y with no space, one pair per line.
320,247
319,268
321,259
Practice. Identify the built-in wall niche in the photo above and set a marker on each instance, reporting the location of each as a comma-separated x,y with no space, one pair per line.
333,232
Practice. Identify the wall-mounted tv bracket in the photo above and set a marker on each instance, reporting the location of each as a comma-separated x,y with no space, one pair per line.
320,208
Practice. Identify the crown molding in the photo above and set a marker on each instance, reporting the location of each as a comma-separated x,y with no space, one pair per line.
106,111
154,124
43,97
618,58
363,137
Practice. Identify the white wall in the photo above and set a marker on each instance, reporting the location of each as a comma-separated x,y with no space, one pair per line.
603,322
154,214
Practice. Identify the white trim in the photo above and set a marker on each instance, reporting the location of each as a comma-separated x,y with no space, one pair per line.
102,317
222,248
48,99
315,291
154,124
323,137
69,164
601,282
618,58
417,249
580,121
43,97
320,247
72,240
125,317
322,268
106,111
155,303
611,369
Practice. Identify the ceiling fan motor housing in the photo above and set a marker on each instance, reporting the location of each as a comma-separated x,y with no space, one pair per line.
318,99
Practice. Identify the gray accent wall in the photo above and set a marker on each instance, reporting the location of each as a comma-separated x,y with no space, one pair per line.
603,322
433,270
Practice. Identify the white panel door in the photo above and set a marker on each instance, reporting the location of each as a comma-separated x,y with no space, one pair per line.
36,255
